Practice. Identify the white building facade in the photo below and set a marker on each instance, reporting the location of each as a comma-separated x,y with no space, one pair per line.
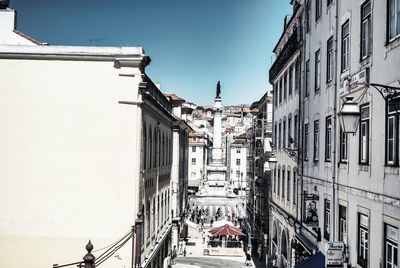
285,77
199,146
237,168
87,146
348,184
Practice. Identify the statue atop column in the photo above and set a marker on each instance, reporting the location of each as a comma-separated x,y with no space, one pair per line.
218,90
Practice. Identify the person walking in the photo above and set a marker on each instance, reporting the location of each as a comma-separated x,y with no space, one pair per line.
167,261
248,259
173,256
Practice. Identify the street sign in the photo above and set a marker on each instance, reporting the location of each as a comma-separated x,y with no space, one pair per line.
334,254
359,79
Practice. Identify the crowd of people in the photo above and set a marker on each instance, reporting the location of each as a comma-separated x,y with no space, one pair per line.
200,217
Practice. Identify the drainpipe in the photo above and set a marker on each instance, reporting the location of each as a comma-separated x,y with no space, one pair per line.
301,125
334,140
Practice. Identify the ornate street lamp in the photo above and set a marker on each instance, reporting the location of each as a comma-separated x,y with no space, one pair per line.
349,116
272,161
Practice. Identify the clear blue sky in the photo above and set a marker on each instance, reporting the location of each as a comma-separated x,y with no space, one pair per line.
192,43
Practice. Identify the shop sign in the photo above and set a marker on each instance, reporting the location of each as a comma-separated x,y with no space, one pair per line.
311,197
334,254
311,215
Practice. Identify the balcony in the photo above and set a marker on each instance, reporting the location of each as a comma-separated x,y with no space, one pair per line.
290,48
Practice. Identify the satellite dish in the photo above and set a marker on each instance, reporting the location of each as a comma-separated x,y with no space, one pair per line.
4,4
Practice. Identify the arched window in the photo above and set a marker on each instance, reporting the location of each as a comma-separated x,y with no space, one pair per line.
284,245
159,148
165,206
154,215
162,208
155,149
278,185
147,218
275,233
150,147
144,145
283,182
170,152
168,203
165,150
158,210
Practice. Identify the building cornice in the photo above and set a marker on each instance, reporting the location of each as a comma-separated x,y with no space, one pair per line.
123,56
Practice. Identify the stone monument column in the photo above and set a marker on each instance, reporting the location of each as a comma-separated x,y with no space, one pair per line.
217,144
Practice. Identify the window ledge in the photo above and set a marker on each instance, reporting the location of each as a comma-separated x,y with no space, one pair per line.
363,167
392,44
343,164
366,61
344,74
392,170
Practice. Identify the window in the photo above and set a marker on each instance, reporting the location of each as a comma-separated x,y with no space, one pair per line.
274,186
295,131
327,219
276,93
363,240
317,70
345,46
280,91
279,182
308,16
144,147
394,19
366,31
193,149
391,246
238,162
283,183
276,133
279,137
392,131
329,60
307,77
364,135
238,150
150,148
155,149
290,86
328,138
284,134
318,9
342,224
297,75
305,142
193,161
294,191
316,140
193,174
390,144
328,2
290,140
285,86
343,146
238,173
288,186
